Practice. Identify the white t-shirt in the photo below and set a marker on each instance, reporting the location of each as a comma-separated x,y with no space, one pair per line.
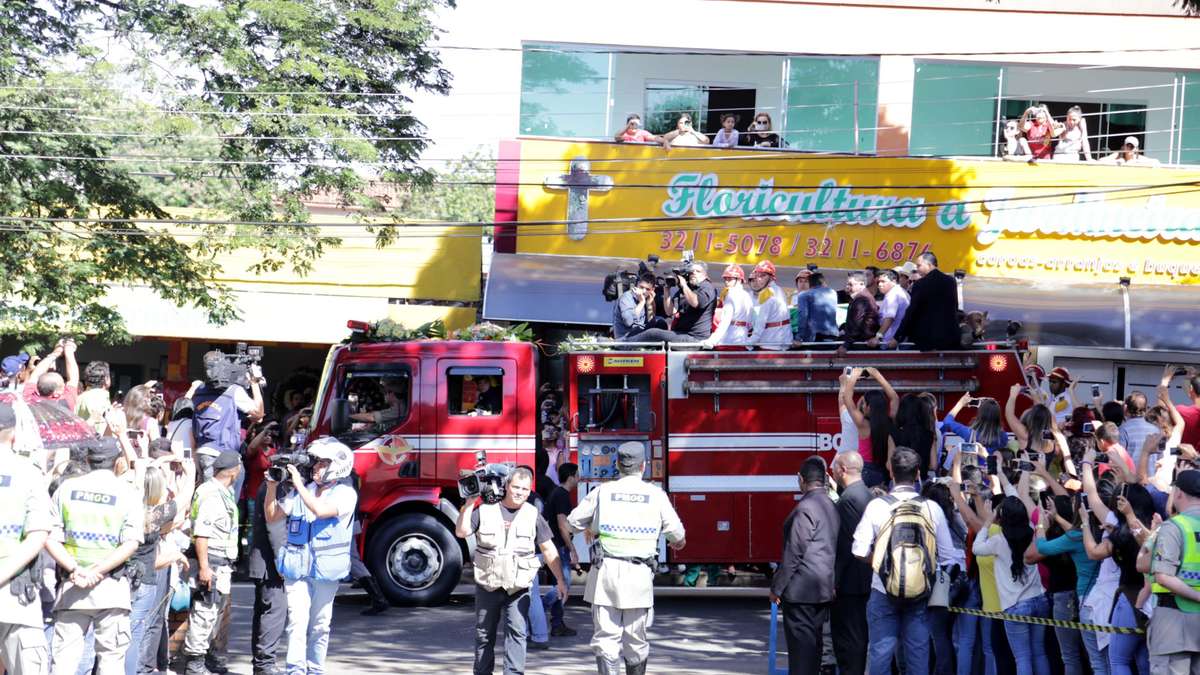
1011,591
242,400
876,515
849,433
181,435
894,305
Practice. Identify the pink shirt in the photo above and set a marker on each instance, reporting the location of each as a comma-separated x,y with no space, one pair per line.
639,136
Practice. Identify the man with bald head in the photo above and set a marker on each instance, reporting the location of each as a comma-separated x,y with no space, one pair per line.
45,384
852,577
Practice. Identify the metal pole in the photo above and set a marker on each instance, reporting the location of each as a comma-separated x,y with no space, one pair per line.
856,117
1174,99
1182,110
1128,317
999,133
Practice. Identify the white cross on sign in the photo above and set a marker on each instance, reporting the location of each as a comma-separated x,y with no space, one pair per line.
579,183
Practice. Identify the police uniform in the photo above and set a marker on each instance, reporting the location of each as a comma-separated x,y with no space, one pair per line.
736,319
215,518
1173,639
24,508
92,516
772,319
627,516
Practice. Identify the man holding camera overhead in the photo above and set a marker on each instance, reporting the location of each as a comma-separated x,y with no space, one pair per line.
221,403
509,532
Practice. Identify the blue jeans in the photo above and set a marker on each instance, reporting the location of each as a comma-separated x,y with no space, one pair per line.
1126,651
555,603
1070,644
140,618
941,622
967,629
538,630
874,475
1027,640
889,622
1096,656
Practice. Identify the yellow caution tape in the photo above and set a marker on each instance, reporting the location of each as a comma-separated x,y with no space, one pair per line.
1057,623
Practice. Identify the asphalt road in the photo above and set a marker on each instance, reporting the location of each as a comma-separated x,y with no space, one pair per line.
696,630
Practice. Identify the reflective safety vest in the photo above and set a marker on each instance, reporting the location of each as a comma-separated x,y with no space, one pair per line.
1189,561
12,510
506,559
330,543
627,520
92,516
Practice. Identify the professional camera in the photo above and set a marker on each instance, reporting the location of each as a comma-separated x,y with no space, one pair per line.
685,267
486,481
233,368
279,463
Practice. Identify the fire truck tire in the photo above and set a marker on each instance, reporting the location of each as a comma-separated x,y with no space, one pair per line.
416,560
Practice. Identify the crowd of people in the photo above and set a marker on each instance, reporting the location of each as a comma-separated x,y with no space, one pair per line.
105,536
914,303
1088,514
1035,136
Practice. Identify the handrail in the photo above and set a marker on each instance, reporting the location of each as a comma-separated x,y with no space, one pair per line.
822,386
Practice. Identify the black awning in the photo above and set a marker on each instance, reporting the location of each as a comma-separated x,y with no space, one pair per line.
567,290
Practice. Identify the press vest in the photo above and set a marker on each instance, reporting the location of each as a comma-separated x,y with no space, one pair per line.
506,559
330,542
12,512
627,520
1189,561
92,516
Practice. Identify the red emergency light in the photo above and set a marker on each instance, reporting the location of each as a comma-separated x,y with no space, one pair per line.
357,326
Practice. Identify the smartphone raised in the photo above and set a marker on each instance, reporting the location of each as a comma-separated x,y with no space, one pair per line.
1095,391
993,465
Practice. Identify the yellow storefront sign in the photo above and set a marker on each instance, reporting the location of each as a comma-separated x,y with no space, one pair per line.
988,217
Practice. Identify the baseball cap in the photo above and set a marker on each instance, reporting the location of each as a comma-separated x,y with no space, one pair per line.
631,454
1131,140
13,364
906,269
1189,482
103,448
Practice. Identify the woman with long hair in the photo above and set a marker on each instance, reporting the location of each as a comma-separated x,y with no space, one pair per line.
683,134
968,489
916,428
941,622
1019,584
1059,539
872,415
984,429
1073,138
1036,431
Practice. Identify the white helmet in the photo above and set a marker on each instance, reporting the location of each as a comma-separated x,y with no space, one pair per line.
341,458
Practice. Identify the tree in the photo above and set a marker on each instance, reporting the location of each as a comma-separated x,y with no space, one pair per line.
253,107
462,192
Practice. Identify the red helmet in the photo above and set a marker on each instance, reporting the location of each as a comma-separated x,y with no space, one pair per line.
1061,373
1038,372
734,271
765,267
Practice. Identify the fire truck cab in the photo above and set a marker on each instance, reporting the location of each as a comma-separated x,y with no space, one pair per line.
725,432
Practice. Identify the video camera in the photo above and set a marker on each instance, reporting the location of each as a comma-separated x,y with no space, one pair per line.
486,481
303,462
233,368
618,282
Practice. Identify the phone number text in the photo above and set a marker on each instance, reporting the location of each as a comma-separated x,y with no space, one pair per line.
746,243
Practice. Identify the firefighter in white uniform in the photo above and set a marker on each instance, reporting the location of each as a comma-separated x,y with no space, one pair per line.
97,525
772,318
24,526
737,311
626,516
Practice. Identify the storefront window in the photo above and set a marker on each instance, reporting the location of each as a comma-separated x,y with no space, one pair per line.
564,91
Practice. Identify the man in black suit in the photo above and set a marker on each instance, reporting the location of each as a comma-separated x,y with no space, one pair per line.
931,321
803,581
852,577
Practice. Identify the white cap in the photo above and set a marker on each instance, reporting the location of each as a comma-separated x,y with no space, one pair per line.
1131,140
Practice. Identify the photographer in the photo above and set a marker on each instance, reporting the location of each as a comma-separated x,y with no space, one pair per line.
633,312
316,554
692,304
220,403
509,534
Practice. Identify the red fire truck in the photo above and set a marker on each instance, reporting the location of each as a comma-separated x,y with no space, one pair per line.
726,431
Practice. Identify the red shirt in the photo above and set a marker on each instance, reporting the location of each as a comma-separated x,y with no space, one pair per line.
68,395
1038,136
257,462
1191,423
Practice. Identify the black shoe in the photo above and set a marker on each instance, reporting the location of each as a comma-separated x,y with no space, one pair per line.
379,603
563,631
215,664
534,644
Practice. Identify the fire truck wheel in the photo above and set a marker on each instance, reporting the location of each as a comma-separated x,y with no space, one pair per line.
416,559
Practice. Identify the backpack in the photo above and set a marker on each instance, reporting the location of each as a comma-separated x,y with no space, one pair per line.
905,551
216,421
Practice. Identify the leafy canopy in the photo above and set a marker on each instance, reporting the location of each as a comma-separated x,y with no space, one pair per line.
243,108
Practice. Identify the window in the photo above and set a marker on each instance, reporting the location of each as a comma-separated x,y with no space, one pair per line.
666,101
379,399
474,391
827,100
564,91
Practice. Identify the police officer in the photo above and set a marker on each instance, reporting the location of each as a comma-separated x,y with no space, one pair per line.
508,533
96,522
214,538
24,526
626,516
